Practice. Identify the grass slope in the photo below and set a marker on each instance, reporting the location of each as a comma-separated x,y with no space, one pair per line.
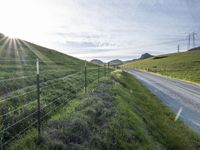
120,113
185,65
61,78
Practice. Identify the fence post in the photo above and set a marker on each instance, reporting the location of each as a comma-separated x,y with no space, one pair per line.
104,69
85,76
98,74
38,97
108,67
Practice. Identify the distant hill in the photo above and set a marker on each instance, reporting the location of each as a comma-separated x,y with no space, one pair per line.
97,62
115,62
146,55
195,49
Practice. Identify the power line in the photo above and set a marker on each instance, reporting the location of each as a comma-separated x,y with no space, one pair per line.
189,38
178,48
158,44
194,38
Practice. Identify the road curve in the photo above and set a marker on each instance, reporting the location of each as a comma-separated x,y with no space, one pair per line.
175,94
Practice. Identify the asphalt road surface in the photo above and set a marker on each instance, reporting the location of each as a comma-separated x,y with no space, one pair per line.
175,94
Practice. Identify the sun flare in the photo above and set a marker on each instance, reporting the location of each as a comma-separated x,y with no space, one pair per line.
25,19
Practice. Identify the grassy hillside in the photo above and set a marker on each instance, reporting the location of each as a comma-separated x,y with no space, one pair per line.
185,65
119,113
61,78
116,113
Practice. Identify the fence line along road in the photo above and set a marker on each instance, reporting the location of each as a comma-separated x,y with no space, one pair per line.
38,109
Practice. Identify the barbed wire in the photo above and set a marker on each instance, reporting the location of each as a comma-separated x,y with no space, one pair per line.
17,78
25,77
19,121
34,123
20,133
12,111
23,94
54,109
54,100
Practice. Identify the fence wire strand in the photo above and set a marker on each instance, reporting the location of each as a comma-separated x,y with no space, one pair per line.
48,83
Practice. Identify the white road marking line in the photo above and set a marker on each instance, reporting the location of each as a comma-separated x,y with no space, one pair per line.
178,114
196,123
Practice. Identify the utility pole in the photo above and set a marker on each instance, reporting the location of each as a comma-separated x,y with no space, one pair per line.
178,48
188,47
194,38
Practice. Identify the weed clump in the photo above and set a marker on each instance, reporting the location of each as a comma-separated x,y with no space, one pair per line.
91,116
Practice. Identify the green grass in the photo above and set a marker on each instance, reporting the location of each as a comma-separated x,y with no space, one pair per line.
119,113
60,76
184,66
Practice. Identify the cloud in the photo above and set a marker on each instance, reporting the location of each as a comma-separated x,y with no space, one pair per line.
112,28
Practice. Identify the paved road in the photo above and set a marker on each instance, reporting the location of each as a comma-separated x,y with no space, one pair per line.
175,94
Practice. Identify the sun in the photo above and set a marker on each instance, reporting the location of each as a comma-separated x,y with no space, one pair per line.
12,17
12,34
13,31
25,19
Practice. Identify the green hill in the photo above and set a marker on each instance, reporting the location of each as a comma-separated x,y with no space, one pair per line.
184,66
61,78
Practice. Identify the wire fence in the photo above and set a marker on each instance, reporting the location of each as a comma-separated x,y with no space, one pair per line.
27,107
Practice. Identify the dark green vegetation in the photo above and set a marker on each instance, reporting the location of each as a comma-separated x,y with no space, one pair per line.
61,78
119,113
185,65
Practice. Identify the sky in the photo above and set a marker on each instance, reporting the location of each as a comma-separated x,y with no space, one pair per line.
103,29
